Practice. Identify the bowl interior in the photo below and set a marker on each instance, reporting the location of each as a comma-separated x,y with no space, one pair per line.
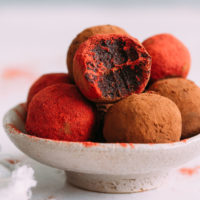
98,158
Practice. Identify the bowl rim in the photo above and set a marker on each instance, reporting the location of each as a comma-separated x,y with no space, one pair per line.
11,129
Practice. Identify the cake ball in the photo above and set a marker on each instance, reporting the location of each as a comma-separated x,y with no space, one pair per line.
143,118
83,36
170,57
186,95
110,67
60,112
47,80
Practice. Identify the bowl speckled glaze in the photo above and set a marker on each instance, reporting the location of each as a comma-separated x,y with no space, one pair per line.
103,167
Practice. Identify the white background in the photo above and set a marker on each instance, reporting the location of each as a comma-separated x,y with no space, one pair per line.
34,40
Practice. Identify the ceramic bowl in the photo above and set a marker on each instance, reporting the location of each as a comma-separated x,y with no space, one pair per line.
103,167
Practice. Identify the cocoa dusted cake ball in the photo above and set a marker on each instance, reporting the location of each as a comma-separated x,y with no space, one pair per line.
110,67
143,118
186,95
60,112
83,36
170,57
47,80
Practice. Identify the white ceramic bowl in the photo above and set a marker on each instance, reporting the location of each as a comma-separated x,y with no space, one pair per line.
111,168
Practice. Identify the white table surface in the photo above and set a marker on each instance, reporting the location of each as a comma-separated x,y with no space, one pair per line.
34,40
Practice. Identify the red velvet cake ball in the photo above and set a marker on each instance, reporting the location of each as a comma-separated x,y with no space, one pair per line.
60,112
110,67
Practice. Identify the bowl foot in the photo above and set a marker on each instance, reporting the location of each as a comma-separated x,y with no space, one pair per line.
116,184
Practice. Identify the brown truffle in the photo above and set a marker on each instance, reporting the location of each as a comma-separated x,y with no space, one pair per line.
60,112
170,57
45,81
110,67
143,118
83,36
186,95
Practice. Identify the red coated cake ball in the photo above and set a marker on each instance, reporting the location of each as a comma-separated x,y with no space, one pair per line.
47,80
170,57
60,112
110,67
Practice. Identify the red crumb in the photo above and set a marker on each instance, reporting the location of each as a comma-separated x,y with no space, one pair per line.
189,171
12,73
185,140
90,144
132,145
12,161
151,144
123,144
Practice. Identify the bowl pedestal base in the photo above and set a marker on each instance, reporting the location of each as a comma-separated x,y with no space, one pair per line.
116,184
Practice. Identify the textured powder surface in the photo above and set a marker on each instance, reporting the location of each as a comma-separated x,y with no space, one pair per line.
60,112
186,95
83,36
47,80
110,67
170,58
143,118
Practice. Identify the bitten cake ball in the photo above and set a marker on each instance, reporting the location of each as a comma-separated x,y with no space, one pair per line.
186,95
47,80
170,57
83,36
110,67
143,118
60,112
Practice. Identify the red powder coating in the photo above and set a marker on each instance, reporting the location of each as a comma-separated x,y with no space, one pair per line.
110,67
90,144
47,80
170,57
189,171
185,140
12,73
12,162
60,112
151,144
123,144
132,145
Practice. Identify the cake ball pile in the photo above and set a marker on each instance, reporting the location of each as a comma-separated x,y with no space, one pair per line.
117,90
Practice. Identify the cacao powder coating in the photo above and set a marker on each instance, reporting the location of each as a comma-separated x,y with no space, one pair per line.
143,118
186,95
